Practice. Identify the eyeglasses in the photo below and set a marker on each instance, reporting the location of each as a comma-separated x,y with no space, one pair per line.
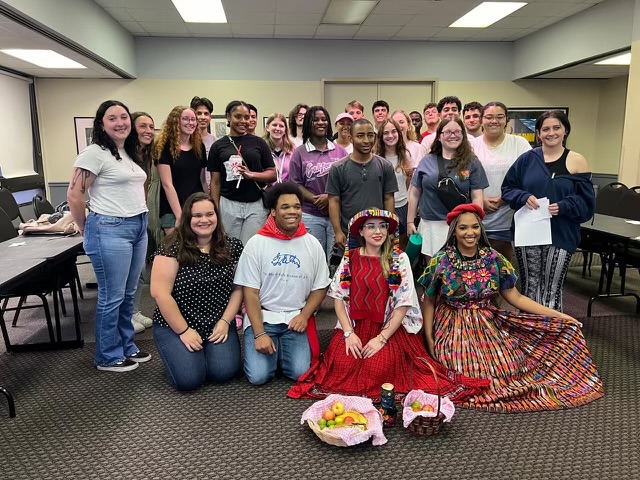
491,118
188,120
372,227
451,133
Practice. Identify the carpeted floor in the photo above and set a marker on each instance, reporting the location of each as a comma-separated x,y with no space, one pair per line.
75,422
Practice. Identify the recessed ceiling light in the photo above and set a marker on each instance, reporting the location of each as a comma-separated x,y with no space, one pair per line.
43,58
486,14
348,12
201,11
623,59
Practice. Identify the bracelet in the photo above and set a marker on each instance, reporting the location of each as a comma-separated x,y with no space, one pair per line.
225,321
184,331
255,337
384,340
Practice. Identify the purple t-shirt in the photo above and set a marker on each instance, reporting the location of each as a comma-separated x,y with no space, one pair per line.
310,167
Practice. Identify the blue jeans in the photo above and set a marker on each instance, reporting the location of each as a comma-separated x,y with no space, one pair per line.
242,219
292,349
117,247
216,362
320,227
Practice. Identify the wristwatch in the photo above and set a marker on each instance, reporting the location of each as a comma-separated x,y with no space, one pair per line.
346,334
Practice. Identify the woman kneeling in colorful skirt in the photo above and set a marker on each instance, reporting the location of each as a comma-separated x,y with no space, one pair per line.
536,360
376,340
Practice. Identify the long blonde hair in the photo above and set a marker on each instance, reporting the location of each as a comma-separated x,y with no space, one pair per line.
411,130
404,157
170,135
287,145
386,253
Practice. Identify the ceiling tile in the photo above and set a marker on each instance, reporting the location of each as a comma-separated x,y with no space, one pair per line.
241,6
149,4
399,20
431,21
413,33
164,27
252,18
495,34
255,30
151,15
293,30
377,31
400,7
576,9
298,18
299,6
133,27
109,3
209,28
340,31
522,33
119,14
546,9
455,33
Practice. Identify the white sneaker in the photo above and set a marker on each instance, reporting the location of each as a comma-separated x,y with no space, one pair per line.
140,318
137,326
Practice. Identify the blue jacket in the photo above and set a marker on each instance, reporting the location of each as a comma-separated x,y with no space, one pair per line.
573,193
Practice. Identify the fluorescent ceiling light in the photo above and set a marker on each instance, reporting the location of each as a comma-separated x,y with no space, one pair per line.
487,13
623,59
43,58
201,11
348,12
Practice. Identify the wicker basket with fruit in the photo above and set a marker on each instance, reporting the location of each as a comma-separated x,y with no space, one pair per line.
343,421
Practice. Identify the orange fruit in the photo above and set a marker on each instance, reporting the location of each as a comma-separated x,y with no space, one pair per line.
348,420
328,415
428,408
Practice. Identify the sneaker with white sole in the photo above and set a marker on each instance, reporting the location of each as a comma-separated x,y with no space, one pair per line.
140,357
137,326
140,318
125,365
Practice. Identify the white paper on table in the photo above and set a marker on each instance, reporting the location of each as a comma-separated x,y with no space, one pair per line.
633,222
533,227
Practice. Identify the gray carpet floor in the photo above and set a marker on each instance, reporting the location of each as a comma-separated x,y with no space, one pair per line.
75,422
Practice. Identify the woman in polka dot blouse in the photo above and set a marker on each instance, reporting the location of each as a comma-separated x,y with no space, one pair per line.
192,283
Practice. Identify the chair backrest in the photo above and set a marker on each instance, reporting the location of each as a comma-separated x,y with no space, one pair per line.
9,204
629,205
7,230
41,206
609,197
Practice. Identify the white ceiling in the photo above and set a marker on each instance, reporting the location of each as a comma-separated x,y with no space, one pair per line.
14,35
389,20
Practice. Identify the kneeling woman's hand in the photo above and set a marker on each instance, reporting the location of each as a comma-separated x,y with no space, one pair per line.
353,344
220,332
372,347
191,340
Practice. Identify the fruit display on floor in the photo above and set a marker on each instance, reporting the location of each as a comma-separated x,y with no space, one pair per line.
338,417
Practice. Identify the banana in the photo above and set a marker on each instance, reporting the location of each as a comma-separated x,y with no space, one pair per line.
357,417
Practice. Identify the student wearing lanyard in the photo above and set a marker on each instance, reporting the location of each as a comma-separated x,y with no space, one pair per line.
281,145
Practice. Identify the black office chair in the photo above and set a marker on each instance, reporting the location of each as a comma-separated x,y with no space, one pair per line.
9,205
40,287
41,206
608,202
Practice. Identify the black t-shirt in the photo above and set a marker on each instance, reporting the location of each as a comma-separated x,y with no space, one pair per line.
185,175
202,291
255,154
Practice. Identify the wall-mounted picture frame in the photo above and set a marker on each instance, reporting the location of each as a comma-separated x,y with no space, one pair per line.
219,128
522,121
84,132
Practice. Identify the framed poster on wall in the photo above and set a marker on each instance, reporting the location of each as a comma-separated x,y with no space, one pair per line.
522,121
84,132
219,127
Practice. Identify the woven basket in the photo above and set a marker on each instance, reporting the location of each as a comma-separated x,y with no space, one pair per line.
326,435
427,426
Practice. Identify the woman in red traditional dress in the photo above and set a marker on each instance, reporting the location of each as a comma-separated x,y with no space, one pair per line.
537,358
376,340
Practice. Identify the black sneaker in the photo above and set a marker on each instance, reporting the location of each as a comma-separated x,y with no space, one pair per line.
140,357
125,365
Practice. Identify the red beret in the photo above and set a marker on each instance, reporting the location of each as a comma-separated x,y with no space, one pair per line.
464,208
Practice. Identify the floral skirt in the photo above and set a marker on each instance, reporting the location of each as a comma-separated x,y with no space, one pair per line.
396,363
534,362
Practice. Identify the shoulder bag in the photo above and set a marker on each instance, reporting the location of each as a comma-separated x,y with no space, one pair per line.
447,190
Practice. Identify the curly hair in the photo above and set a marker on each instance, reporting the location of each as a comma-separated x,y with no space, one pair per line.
463,153
170,136
287,146
404,159
100,137
187,241
309,117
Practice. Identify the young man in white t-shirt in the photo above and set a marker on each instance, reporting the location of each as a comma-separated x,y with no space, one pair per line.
284,277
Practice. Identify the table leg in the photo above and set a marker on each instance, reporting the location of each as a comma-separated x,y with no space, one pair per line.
12,405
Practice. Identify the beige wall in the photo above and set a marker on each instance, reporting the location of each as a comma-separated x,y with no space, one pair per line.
61,100
610,125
